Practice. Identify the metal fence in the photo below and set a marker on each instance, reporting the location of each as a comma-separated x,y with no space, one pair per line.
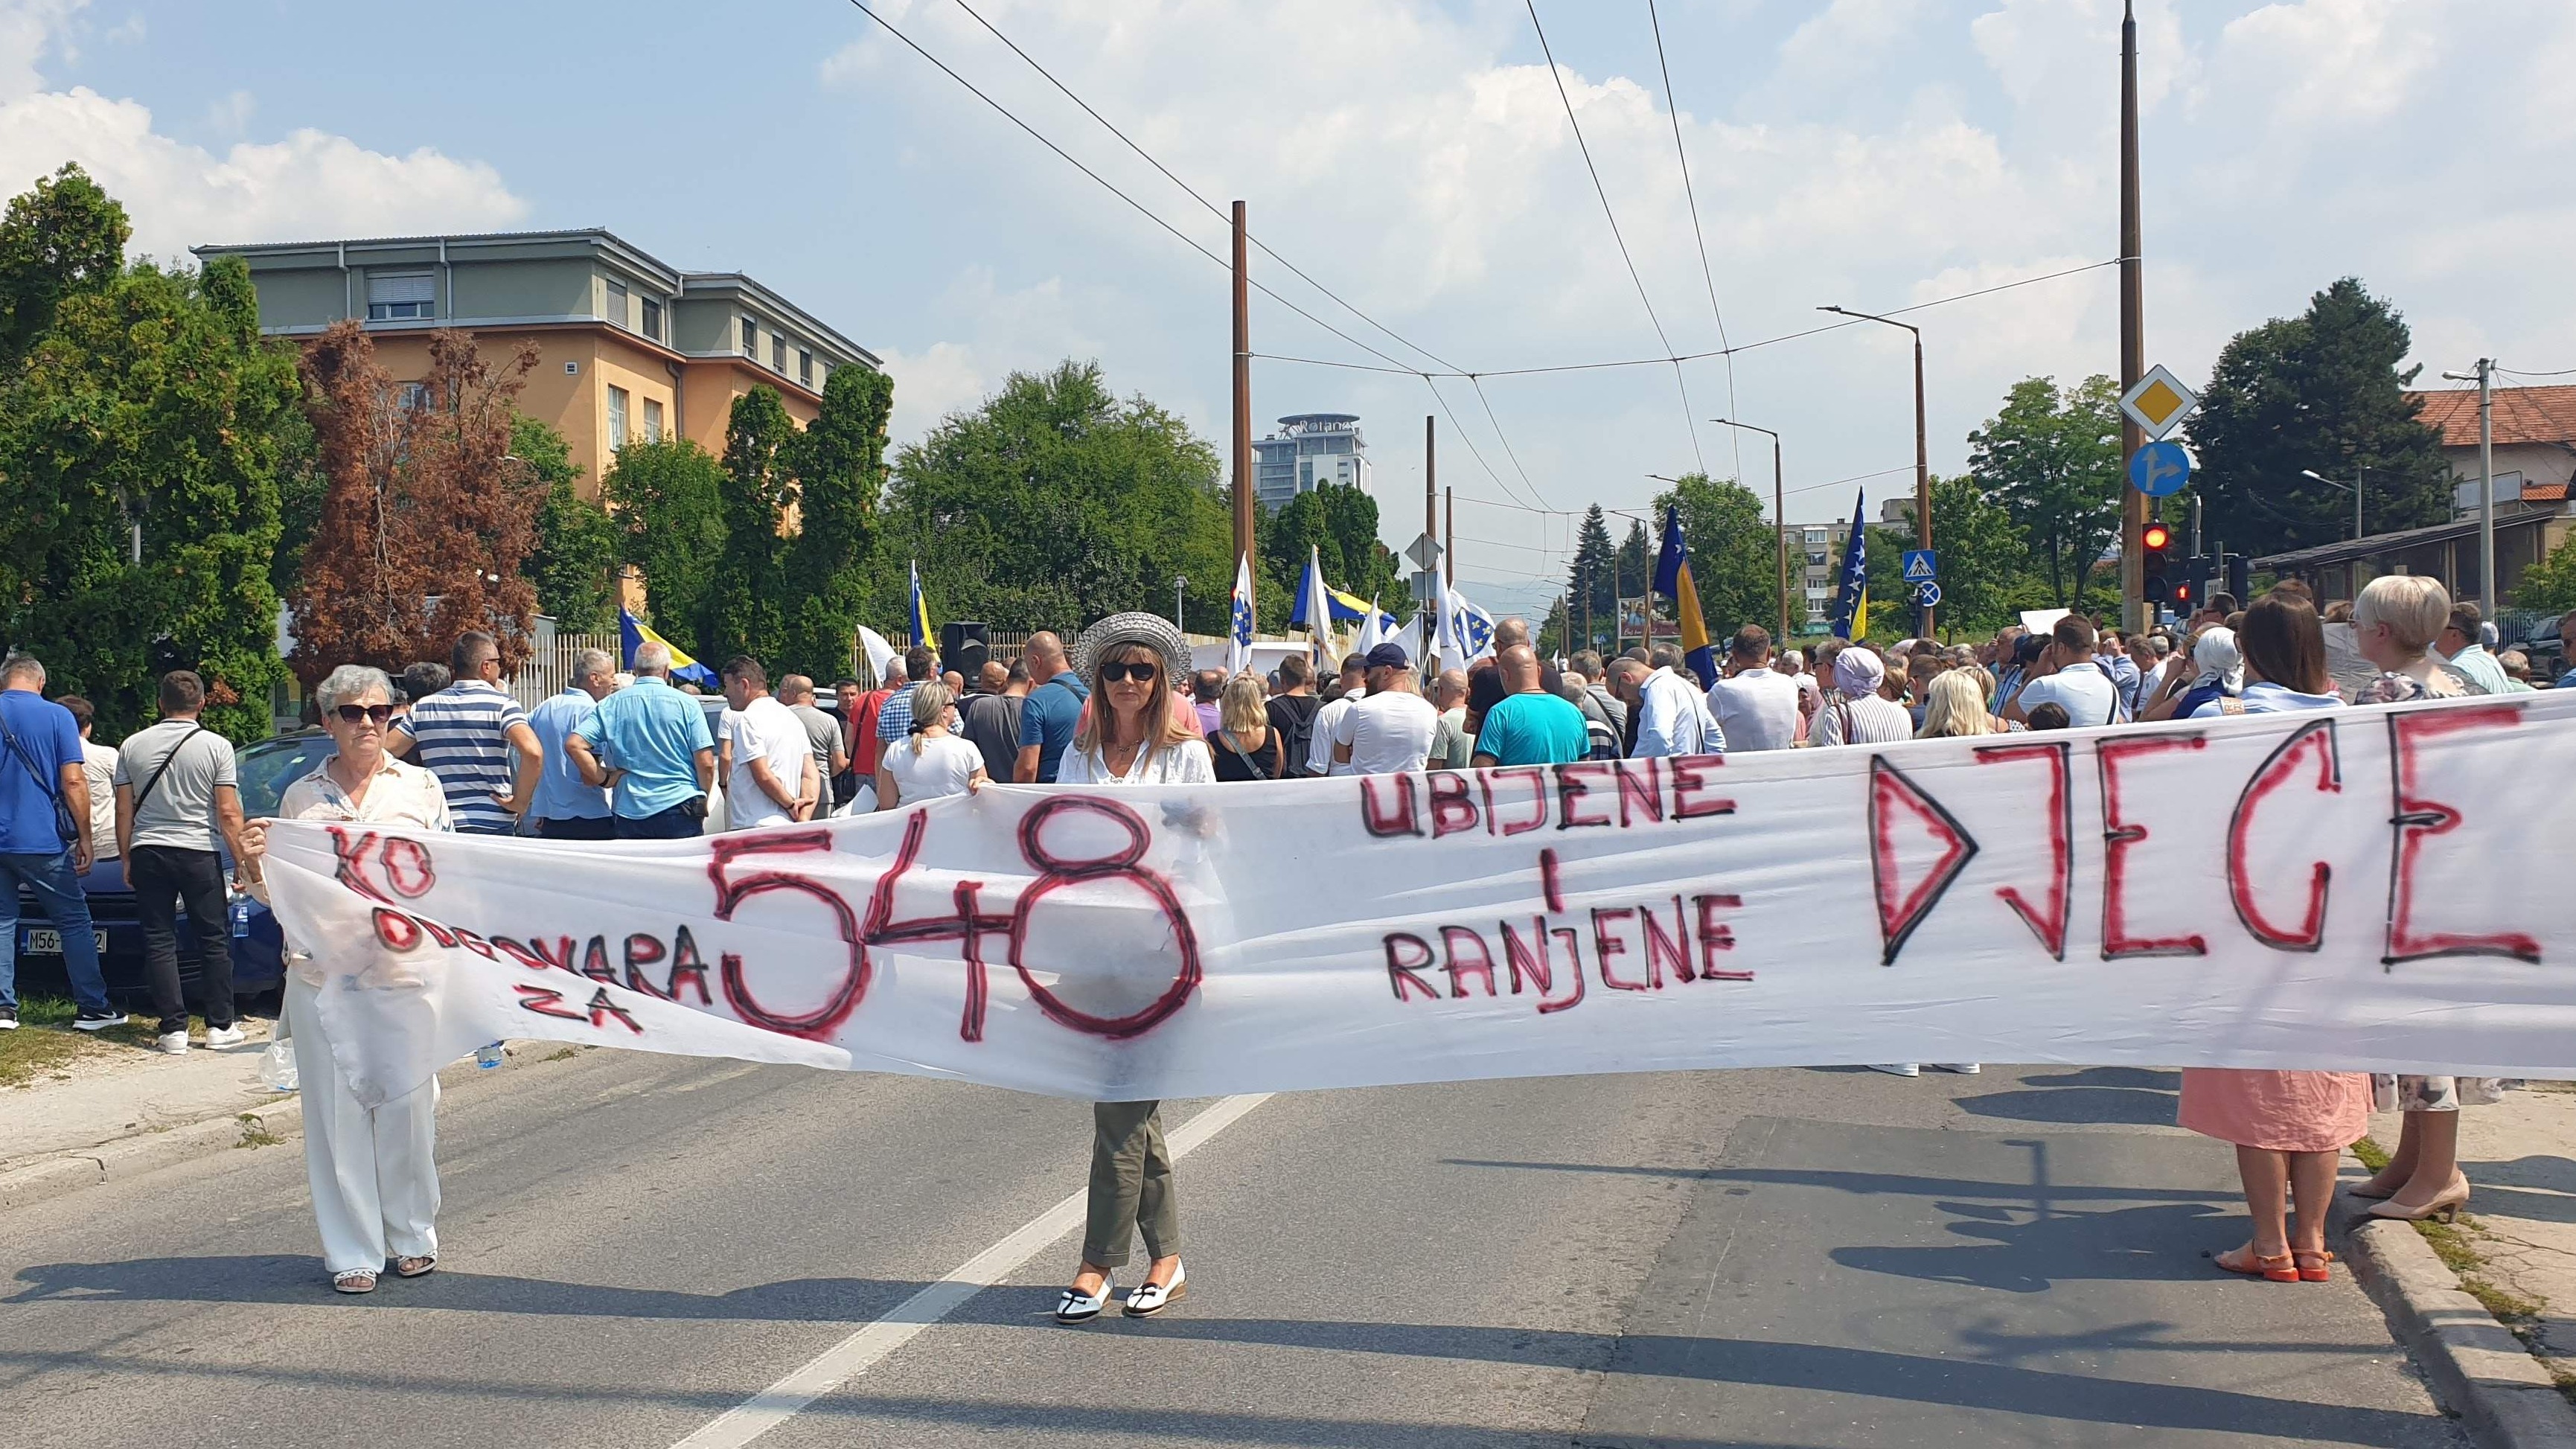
548,670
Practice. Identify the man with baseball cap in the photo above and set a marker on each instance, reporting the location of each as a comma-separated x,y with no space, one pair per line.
1388,732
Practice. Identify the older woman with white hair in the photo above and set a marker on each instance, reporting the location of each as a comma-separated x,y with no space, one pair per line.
2394,624
374,1180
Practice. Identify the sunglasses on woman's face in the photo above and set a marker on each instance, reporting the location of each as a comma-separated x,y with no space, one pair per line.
1141,671
362,713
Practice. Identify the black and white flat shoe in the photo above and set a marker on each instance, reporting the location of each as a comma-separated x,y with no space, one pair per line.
1083,1307
1153,1298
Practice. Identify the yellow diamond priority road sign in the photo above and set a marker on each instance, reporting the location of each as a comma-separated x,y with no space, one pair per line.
2159,402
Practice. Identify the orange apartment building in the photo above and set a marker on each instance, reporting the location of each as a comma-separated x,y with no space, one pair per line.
630,348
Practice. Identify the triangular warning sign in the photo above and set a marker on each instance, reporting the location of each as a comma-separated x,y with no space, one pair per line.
1916,849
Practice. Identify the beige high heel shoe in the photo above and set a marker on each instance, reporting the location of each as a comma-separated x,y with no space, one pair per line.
2445,1206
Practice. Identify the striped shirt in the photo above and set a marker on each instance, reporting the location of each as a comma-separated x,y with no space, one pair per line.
461,735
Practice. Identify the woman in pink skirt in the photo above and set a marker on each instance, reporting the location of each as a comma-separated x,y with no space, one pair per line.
2290,1130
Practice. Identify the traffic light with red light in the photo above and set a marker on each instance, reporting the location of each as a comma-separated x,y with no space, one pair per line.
2155,546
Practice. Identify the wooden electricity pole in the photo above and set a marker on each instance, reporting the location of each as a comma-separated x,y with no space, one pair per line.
2133,339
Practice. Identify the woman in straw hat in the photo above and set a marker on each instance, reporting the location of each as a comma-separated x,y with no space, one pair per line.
1130,737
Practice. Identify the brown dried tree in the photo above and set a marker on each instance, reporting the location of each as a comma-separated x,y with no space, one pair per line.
428,519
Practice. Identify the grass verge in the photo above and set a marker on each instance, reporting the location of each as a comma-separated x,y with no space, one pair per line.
255,1133
2457,1245
45,1043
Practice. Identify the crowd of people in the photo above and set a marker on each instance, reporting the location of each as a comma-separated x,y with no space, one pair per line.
626,755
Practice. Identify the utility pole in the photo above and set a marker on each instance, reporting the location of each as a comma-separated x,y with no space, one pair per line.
1449,500
2484,377
1779,500
1922,456
1243,482
2133,338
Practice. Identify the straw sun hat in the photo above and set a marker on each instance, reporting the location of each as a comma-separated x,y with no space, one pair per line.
1151,630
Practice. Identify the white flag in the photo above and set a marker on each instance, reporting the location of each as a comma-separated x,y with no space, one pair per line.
1238,641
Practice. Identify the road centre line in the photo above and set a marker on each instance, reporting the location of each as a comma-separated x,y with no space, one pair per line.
864,1349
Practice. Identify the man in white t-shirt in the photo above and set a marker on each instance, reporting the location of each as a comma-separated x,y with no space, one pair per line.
770,778
1756,708
1319,752
1388,733
2067,677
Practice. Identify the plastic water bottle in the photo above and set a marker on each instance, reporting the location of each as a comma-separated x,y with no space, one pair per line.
241,919
488,1055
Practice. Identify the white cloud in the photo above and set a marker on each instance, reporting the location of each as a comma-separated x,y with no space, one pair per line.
931,384
2331,60
233,112
309,184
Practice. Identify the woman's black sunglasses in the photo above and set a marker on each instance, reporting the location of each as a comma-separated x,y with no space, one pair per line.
356,713
1142,671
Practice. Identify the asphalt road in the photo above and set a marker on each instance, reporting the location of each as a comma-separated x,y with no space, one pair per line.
635,1246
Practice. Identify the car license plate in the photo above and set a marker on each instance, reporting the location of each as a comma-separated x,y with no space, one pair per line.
40,942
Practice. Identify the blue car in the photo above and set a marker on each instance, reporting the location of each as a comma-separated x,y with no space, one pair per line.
265,770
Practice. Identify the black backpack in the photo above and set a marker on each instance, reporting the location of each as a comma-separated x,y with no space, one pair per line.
1296,730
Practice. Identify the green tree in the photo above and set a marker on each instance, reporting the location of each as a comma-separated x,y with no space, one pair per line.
1986,577
841,474
2549,585
1339,523
2051,458
146,397
1053,504
667,500
1733,552
1588,585
574,567
744,610
63,238
2319,391
1634,567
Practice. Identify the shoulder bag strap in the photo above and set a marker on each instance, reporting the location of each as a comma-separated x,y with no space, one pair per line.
164,767
64,824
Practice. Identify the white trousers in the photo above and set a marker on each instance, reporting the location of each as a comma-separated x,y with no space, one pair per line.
373,1172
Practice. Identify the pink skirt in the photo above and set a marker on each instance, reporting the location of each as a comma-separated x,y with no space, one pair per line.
2278,1111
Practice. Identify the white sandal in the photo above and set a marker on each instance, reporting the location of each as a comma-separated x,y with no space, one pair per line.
354,1280
1153,1298
1082,1308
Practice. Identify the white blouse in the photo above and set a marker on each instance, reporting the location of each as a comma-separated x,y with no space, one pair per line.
1187,763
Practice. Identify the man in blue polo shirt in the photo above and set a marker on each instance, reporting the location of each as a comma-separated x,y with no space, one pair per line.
569,807
651,743
1056,697
43,789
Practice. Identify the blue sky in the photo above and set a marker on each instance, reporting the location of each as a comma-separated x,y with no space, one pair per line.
1416,159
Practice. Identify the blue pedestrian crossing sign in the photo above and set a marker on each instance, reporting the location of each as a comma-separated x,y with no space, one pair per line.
1920,566
1927,595
2159,469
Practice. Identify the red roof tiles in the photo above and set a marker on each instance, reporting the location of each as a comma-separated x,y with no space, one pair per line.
2522,415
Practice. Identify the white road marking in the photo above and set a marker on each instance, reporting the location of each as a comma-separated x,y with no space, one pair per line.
864,1349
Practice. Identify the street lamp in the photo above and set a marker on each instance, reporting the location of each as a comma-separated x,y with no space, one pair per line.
1779,520
2353,488
1178,583
1922,451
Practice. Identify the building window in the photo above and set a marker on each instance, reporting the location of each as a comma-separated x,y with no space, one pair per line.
750,339
805,366
653,319
616,418
617,307
778,354
401,296
414,396
652,420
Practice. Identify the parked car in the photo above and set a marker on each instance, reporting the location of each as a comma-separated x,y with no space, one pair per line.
265,770
2545,649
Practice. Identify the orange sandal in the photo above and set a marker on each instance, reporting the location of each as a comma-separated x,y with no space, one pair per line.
2312,1265
2276,1268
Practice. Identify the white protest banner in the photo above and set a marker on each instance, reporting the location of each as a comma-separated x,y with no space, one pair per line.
2356,889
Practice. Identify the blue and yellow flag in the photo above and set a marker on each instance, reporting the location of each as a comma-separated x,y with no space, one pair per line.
1673,579
634,634
920,613
1851,595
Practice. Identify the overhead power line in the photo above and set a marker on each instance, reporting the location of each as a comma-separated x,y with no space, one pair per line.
1690,415
1697,356
1690,200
